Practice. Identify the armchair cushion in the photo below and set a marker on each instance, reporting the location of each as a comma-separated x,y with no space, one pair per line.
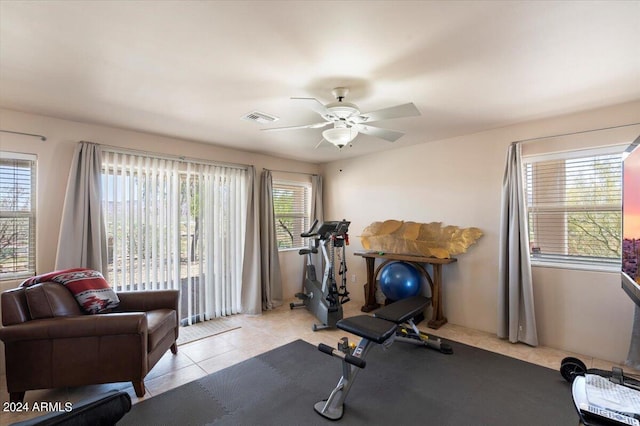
160,323
76,327
140,300
48,300
91,290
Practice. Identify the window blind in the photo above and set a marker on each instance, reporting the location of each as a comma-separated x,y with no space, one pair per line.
292,205
17,215
179,225
574,208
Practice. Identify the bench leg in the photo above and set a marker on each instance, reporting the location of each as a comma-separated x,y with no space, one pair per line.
174,348
333,407
413,335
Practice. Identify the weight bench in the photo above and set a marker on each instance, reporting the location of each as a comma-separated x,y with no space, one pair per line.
403,313
393,322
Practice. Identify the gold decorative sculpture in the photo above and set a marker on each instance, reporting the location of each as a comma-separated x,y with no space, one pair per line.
425,239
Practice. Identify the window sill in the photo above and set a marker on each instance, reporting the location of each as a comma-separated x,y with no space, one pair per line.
16,277
296,249
575,266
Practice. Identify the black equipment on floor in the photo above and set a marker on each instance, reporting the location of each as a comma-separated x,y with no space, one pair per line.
324,299
100,410
613,384
386,326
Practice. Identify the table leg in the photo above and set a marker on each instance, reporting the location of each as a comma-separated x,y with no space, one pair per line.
370,287
438,319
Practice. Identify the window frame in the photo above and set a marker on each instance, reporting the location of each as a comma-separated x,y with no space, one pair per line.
305,216
568,261
30,214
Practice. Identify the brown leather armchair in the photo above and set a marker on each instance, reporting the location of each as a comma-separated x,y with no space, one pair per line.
49,342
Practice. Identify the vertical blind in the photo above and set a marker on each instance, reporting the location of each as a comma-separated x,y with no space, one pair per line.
574,207
17,214
292,205
176,225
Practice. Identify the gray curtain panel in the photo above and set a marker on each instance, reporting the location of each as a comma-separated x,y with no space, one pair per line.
317,212
633,358
251,287
317,208
82,242
516,314
270,261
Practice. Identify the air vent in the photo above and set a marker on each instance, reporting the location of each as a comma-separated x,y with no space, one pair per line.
260,117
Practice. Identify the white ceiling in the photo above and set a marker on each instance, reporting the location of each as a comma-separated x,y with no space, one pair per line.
192,69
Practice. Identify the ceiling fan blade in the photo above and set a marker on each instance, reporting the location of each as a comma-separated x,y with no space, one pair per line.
398,111
386,134
315,105
308,126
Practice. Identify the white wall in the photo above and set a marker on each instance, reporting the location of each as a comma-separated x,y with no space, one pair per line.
54,160
458,182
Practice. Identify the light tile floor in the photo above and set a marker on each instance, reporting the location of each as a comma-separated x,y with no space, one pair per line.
262,333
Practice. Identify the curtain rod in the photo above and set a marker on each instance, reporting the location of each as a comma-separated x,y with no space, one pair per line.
42,138
120,150
574,133
286,171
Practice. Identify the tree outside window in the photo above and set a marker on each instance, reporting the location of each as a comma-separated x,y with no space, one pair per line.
574,208
17,215
291,204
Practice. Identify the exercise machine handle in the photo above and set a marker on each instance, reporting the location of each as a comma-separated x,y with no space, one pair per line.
310,232
353,360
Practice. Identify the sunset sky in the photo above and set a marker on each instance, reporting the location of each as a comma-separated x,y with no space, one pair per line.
631,196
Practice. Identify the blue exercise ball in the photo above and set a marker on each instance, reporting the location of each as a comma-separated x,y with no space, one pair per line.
399,280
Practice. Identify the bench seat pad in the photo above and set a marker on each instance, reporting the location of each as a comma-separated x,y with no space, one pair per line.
403,310
374,329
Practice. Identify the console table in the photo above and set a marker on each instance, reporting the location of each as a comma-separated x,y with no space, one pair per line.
438,319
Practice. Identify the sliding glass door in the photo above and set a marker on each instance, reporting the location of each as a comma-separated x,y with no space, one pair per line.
176,225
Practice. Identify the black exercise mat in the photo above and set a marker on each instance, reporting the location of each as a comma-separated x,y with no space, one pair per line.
403,385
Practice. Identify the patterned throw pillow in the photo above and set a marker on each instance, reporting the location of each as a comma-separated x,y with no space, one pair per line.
91,290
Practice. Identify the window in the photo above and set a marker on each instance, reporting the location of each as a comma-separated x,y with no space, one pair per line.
176,224
17,215
292,205
574,207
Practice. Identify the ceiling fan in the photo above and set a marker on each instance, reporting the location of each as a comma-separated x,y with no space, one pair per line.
347,120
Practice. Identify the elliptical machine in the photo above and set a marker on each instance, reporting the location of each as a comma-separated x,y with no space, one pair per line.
325,299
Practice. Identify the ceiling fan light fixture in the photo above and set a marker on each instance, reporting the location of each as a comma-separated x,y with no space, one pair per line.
348,121
343,110
340,136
